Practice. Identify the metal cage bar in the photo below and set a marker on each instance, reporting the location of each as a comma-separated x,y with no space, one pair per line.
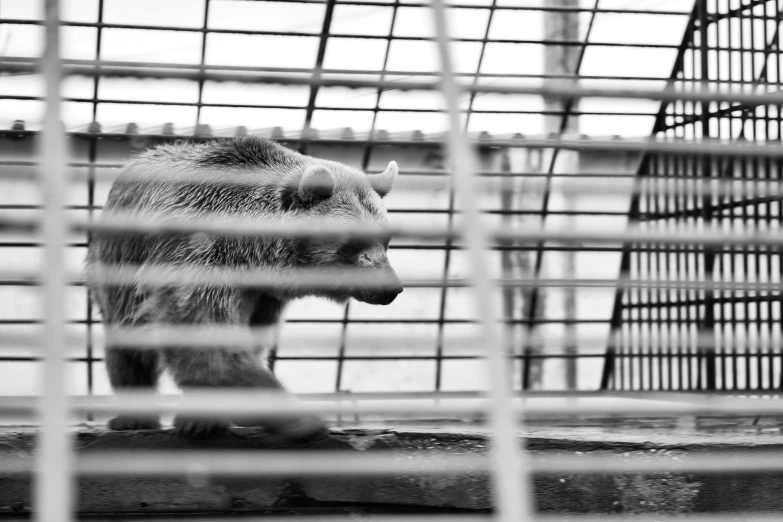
53,495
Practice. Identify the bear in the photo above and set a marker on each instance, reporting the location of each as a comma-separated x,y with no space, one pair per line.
246,177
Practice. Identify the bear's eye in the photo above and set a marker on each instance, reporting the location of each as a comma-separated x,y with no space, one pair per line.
352,249
365,257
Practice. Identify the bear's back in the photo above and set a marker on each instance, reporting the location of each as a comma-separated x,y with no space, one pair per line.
226,175
239,176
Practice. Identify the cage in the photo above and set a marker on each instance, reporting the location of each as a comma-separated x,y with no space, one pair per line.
585,223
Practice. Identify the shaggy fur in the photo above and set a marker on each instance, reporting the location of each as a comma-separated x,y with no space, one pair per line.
282,183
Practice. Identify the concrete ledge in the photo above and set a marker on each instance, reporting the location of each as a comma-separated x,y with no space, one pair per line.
669,493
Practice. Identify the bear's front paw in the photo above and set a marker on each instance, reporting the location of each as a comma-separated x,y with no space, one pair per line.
199,428
122,423
298,430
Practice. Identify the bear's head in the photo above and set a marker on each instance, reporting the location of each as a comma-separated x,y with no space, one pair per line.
334,193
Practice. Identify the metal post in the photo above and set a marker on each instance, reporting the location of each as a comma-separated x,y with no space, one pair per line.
53,500
511,487
560,60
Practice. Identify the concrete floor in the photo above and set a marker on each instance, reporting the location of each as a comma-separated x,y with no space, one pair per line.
634,439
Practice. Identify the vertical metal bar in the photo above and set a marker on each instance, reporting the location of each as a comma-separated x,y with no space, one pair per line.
691,203
53,500
92,157
765,326
338,380
641,294
707,323
778,186
682,271
745,176
565,123
204,34
450,223
719,350
654,359
511,487
667,349
754,324
732,257
319,61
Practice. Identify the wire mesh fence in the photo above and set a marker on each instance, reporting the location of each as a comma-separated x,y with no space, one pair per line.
112,116
563,214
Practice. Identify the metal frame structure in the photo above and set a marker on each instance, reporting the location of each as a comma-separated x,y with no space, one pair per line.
655,346
92,143
699,153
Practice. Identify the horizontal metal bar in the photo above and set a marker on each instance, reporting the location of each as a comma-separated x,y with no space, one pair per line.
576,185
21,403
725,351
676,146
324,107
203,464
314,320
201,336
263,463
124,223
360,72
245,401
495,7
661,249
490,211
336,279
365,36
462,517
79,176
551,90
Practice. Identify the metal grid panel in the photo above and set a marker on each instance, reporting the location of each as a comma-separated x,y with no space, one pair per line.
708,338
96,148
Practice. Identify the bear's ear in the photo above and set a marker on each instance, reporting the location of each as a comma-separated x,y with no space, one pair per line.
382,183
317,183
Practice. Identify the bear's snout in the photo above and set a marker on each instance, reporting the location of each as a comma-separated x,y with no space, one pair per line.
388,296
383,294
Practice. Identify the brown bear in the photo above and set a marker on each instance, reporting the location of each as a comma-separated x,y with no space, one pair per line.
265,182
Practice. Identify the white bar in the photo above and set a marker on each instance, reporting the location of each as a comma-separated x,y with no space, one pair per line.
117,223
623,184
434,517
699,517
695,94
196,337
332,463
511,487
260,463
53,493
163,275
267,463
620,185
243,402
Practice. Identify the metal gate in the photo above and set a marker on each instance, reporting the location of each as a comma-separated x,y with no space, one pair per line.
708,317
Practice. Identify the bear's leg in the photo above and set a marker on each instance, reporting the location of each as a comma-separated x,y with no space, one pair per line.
265,314
231,368
286,429
133,370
